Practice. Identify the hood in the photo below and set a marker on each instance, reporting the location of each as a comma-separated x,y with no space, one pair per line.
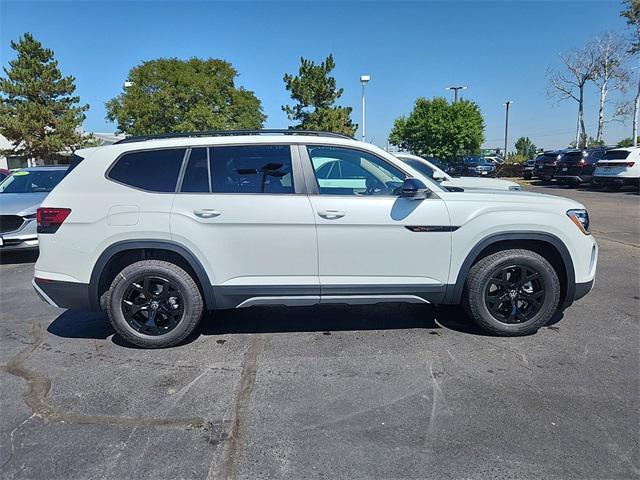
488,197
479,183
21,203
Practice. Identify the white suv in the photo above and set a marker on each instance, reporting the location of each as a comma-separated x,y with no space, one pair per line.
618,167
426,168
155,230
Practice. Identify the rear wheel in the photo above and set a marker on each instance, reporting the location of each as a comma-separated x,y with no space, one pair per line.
154,304
512,292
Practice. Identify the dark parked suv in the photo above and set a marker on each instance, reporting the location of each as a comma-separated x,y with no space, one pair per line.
577,166
546,165
476,166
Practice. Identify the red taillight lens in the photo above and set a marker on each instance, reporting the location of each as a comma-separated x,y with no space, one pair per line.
50,219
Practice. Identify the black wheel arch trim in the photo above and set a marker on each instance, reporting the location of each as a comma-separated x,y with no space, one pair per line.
184,252
454,291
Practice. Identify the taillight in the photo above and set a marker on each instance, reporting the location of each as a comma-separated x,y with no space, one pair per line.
616,164
50,219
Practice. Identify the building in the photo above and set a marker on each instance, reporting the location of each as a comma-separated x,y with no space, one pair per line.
18,161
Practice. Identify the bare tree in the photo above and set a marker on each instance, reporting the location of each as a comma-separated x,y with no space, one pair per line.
579,67
610,75
632,14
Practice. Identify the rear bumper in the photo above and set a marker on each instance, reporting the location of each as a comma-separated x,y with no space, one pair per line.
611,180
573,178
71,295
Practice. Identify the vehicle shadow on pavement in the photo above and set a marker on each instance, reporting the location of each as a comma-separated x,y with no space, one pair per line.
276,319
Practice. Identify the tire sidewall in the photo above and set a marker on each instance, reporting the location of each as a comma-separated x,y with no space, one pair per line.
121,283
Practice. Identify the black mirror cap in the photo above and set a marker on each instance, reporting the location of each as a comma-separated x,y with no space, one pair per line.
415,189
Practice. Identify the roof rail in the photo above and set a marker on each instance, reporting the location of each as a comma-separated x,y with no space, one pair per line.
222,133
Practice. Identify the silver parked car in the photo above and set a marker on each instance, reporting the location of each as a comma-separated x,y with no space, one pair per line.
21,193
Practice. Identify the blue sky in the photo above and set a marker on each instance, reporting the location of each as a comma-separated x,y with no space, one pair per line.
501,50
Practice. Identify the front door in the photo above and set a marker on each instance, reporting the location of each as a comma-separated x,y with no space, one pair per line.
239,209
372,242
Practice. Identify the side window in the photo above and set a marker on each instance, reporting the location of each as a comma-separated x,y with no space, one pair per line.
153,170
251,169
346,171
196,175
421,167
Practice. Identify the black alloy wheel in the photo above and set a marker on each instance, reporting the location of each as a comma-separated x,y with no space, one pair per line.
152,305
515,294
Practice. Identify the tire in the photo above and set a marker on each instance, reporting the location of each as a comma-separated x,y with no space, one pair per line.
154,304
484,292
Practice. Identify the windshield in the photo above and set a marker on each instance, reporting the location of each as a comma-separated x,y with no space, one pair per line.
425,169
616,155
29,181
476,161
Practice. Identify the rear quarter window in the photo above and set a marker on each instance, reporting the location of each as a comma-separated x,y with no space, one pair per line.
152,170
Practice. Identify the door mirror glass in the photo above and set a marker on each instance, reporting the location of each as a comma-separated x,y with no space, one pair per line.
414,189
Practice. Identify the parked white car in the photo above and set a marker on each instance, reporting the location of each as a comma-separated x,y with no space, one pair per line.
476,183
618,167
154,230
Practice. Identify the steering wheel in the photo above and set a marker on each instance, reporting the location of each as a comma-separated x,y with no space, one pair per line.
372,184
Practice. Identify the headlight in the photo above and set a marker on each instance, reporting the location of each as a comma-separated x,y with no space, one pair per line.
581,218
515,187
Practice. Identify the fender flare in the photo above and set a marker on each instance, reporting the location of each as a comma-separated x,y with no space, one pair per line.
454,291
184,252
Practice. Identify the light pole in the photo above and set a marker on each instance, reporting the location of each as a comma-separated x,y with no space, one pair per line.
506,128
363,80
455,91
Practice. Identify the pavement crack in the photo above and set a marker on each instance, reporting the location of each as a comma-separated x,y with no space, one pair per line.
38,387
12,438
225,462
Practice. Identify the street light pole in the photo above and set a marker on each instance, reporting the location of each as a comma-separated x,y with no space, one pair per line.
506,128
363,80
455,91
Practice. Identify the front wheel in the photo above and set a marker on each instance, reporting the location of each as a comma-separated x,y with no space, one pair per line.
154,304
512,292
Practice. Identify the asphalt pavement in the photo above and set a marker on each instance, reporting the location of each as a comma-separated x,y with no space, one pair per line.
387,391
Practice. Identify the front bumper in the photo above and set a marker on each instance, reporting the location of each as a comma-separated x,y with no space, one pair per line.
25,238
582,289
71,295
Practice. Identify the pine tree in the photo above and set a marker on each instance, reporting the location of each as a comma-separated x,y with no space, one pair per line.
38,112
315,93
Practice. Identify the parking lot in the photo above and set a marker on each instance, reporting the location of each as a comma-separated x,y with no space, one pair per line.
389,391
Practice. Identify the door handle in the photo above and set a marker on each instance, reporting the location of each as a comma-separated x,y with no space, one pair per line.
331,214
206,213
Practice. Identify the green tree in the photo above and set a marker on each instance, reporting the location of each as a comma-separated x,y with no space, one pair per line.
441,129
315,93
38,112
172,95
626,142
632,14
587,141
525,148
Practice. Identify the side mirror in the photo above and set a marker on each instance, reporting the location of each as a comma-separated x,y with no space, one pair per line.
414,189
438,176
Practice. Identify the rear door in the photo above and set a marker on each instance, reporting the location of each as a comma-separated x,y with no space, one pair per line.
242,209
371,242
